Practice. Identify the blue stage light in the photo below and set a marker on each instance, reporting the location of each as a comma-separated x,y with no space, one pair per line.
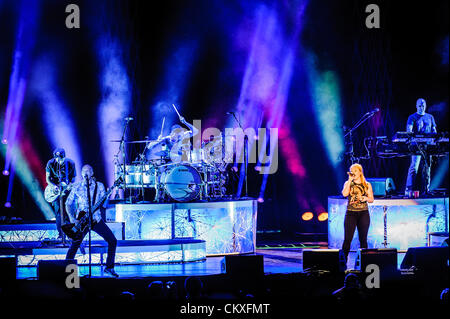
115,105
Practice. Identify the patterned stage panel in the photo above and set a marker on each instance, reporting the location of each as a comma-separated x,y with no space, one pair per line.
45,231
408,222
144,252
227,227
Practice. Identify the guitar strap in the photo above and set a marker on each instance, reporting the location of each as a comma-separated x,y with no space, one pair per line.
95,195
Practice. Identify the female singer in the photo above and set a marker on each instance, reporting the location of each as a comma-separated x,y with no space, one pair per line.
359,193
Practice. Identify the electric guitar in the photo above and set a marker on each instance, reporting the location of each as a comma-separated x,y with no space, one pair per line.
53,192
75,230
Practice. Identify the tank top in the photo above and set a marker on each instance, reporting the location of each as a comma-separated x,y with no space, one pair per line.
354,204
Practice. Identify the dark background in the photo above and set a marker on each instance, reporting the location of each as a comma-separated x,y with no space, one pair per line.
390,67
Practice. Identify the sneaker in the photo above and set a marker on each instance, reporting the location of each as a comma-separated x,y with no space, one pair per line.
111,272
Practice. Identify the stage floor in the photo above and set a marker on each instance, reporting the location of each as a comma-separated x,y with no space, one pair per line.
282,260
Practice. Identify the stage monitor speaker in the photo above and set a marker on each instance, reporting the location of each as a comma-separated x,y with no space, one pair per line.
382,186
332,260
426,259
54,270
8,269
384,258
243,265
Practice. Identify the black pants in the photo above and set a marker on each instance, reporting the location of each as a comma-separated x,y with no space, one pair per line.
419,174
104,231
360,220
57,211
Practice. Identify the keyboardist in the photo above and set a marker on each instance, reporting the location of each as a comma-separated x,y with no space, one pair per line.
420,122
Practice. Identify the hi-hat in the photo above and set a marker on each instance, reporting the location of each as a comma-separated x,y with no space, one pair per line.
133,142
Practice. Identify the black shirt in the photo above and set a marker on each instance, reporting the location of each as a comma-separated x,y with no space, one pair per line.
67,171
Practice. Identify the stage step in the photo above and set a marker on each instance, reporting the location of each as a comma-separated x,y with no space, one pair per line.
127,252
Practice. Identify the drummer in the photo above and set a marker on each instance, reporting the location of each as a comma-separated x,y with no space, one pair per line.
177,144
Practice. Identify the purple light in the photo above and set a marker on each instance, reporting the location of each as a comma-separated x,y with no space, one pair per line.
25,40
260,200
8,204
5,172
59,124
115,105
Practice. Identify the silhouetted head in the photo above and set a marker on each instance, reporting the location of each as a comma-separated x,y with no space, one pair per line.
421,106
351,281
193,287
59,154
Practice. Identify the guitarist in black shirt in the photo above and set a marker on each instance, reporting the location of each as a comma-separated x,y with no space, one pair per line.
77,206
60,174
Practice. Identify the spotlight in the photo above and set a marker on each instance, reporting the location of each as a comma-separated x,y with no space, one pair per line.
307,216
4,141
6,172
322,216
8,204
260,200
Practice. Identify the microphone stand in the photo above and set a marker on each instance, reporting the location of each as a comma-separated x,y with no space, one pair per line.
61,205
245,154
122,148
349,133
90,223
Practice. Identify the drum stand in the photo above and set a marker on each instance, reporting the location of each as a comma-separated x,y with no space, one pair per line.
124,158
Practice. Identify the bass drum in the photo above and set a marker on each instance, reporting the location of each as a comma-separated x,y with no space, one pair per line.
181,182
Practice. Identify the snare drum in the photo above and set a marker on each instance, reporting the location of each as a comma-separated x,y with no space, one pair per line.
181,182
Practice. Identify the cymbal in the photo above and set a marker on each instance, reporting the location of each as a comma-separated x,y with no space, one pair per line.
133,142
143,141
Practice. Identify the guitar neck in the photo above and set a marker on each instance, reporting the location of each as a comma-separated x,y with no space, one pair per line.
104,197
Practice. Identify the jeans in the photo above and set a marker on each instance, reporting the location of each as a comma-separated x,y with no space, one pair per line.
104,231
412,180
360,220
58,214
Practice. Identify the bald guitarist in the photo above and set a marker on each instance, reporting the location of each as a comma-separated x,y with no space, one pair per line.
77,206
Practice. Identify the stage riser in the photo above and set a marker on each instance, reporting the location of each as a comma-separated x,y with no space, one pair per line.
148,254
40,232
227,227
408,222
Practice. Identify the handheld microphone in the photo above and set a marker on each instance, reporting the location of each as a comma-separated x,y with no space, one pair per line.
375,110
129,119
230,112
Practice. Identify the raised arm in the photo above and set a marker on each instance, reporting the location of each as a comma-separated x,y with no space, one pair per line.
192,129
346,190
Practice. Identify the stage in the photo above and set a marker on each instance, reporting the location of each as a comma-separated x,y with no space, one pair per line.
191,238
147,233
286,260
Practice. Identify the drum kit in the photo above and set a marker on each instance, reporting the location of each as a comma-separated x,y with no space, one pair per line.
182,176
175,170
